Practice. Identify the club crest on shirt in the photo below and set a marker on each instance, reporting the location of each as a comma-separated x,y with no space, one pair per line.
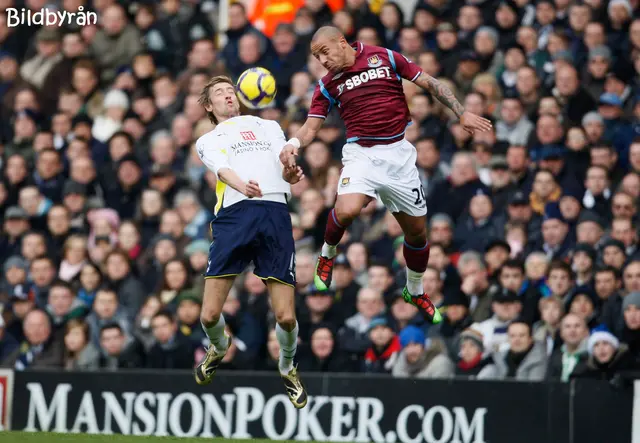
345,181
374,61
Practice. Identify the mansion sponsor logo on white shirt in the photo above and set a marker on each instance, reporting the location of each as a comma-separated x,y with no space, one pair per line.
49,17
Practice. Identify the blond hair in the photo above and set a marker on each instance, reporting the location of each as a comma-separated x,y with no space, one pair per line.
205,100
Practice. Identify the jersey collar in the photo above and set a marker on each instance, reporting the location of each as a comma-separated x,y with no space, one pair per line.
359,47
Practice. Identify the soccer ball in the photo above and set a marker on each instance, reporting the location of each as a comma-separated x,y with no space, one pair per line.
256,88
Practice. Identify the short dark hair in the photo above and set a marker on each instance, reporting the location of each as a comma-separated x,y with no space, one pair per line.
59,283
610,269
164,313
205,100
562,266
111,325
512,263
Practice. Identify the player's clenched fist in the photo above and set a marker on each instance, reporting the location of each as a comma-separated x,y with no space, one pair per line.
288,156
252,189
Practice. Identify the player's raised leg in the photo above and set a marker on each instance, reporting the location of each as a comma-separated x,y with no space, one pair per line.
283,305
215,294
345,211
416,254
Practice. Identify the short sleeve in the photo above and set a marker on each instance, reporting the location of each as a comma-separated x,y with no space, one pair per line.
320,105
213,153
405,67
277,137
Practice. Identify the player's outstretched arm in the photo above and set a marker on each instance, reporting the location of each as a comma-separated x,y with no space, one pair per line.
304,136
229,176
470,122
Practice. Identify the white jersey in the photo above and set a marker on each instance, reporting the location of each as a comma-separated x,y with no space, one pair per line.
250,146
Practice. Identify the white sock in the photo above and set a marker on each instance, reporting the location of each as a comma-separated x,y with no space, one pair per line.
414,282
329,251
217,336
288,344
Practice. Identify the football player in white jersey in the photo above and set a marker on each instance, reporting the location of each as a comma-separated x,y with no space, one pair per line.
251,224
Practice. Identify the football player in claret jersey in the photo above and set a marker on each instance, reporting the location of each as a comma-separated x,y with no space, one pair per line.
251,224
365,84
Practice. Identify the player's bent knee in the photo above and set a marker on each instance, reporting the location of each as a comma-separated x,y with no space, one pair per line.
347,212
210,316
287,321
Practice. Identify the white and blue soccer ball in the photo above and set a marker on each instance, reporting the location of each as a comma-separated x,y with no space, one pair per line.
256,88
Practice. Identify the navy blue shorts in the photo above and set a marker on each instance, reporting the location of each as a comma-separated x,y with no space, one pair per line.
253,231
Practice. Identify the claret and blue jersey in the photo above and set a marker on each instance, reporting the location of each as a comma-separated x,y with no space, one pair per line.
368,95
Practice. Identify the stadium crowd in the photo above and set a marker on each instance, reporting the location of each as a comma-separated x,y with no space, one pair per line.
535,258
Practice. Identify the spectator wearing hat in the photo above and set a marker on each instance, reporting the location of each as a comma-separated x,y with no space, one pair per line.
36,69
598,63
520,211
15,273
555,240
384,349
188,316
319,307
524,359
456,318
506,306
563,360
627,326
471,360
123,193
108,123
40,348
15,225
323,353
421,358
608,358
22,299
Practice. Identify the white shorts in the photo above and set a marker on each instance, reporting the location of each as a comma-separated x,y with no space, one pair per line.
385,171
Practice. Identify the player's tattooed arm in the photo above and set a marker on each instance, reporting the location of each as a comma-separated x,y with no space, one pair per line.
440,92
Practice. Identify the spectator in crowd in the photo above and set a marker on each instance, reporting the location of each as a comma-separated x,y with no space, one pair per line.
385,348
116,351
8,343
456,319
547,329
472,361
41,347
475,284
189,305
506,306
172,350
608,358
353,336
524,359
106,310
81,354
323,354
421,358
563,360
